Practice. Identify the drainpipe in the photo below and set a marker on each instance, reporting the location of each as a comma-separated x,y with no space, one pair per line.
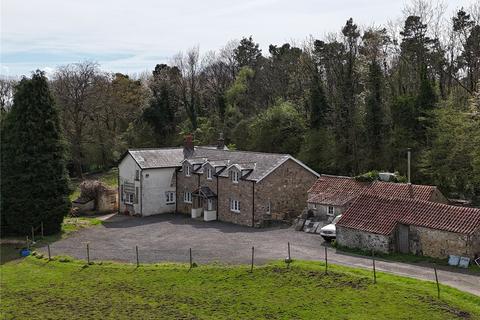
176,191
253,203
218,197
141,192
119,196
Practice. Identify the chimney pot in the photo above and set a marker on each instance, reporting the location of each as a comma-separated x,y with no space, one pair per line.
220,142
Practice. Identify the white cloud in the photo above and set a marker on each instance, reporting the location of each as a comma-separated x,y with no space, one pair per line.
144,29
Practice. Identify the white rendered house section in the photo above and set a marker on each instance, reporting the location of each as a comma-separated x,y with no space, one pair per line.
127,173
157,187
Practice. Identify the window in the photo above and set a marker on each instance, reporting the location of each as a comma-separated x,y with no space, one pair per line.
129,198
209,204
235,175
269,207
314,206
209,173
234,205
331,210
187,170
137,175
187,197
170,195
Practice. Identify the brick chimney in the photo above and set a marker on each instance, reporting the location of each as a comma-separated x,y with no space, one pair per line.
220,142
188,146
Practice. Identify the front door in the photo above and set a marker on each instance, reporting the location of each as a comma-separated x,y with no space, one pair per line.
402,238
209,204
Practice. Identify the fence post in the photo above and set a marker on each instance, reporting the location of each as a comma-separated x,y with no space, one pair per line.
253,253
374,271
326,260
33,235
289,258
190,251
136,252
88,253
436,280
41,228
28,244
49,256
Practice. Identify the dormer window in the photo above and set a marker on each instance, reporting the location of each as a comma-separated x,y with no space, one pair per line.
235,176
209,173
187,170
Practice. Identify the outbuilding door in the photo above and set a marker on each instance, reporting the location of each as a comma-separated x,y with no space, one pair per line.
402,239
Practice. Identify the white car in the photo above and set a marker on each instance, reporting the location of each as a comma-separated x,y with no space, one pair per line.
329,232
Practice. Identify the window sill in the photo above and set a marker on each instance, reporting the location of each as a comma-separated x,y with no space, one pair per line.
187,202
167,203
235,211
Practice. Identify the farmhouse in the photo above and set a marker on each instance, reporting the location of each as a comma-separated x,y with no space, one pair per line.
248,188
332,195
410,226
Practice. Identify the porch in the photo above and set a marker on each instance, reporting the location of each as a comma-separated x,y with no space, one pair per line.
204,202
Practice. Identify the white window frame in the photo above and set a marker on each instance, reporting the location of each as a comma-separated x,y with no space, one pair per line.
333,210
187,170
235,176
234,206
170,197
187,197
209,173
129,198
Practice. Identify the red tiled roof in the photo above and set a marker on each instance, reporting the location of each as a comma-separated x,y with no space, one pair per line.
381,215
401,190
338,191
335,190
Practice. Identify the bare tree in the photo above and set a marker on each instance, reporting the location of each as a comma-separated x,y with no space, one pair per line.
73,86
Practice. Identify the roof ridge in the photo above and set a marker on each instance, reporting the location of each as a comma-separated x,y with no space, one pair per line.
245,151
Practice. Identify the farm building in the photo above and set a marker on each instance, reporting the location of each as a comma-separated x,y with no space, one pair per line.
410,226
332,195
248,188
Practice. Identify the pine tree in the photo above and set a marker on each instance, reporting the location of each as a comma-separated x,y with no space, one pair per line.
34,177
318,103
374,117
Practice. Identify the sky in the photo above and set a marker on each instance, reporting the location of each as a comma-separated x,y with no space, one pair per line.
132,36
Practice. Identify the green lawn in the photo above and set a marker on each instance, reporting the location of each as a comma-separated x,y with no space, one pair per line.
37,289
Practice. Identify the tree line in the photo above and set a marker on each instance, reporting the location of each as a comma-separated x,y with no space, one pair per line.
351,102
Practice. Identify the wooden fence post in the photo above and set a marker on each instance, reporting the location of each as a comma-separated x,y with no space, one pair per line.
326,260
374,270
253,253
136,252
28,244
41,228
33,235
191,262
49,256
436,280
88,253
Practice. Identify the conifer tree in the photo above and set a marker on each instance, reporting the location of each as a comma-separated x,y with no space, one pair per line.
34,177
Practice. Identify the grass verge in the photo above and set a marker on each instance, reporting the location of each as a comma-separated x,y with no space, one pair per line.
70,289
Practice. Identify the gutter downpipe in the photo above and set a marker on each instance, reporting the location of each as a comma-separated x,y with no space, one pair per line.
253,203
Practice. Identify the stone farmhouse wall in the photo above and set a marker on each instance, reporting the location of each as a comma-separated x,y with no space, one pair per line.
285,189
364,240
185,184
241,191
441,244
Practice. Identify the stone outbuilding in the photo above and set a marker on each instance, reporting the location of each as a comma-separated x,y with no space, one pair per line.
410,226
331,195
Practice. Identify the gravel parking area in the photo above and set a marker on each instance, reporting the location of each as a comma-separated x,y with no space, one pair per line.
167,238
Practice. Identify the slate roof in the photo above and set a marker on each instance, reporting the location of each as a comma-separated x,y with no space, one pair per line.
157,158
259,164
339,191
204,191
381,215
335,190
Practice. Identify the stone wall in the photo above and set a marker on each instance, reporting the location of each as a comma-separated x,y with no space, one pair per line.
285,189
241,191
186,184
441,244
363,240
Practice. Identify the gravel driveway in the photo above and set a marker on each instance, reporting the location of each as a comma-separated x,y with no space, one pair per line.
168,237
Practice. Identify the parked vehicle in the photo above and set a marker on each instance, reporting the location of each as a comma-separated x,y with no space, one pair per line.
329,232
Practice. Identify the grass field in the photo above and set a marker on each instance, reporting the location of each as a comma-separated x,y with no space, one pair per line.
36,289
